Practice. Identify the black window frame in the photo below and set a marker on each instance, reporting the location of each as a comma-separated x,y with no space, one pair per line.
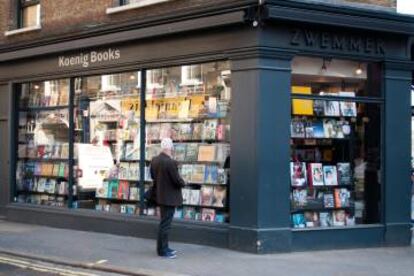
21,5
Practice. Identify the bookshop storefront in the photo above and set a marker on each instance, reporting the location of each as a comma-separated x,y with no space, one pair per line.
315,120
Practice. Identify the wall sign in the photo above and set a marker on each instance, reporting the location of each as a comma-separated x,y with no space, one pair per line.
88,58
338,42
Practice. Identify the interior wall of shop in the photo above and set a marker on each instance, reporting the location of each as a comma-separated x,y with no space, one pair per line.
4,142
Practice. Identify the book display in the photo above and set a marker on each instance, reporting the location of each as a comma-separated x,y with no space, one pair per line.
330,150
42,166
191,105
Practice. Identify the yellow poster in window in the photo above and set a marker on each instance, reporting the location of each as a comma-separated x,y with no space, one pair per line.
302,107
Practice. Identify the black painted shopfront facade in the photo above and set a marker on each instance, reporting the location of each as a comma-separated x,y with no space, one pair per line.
281,60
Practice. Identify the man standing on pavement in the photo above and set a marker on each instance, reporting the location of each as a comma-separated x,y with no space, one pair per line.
167,188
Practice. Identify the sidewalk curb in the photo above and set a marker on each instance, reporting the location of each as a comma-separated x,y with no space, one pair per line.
89,266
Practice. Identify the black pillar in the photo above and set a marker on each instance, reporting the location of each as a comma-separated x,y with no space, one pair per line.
260,133
397,165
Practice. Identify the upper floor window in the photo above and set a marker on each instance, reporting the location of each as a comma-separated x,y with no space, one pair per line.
124,5
29,13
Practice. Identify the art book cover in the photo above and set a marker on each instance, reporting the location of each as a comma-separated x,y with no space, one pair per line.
330,176
219,196
197,175
212,107
342,198
349,220
318,107
298,174
210,175
153,132
331,108
186,172
197,131
206,195
344,173
309,129
339,218
133,193
123,189
165,130
113,188
179,152
302,107
223,132
175,131
325,219
206,153
348,109
186,196
220,218
221,176
298,221
195,197
222,152
189,213
191,153
316,174
312,219
299,198
328,200
209,130
102,190
178,214
186,132
297,128
331,129
208,214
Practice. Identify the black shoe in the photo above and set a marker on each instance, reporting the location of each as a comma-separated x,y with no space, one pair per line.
168,255
172,251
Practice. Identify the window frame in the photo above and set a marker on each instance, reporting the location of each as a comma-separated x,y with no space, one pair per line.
23,4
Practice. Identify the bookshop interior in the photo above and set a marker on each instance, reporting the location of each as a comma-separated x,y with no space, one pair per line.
97,125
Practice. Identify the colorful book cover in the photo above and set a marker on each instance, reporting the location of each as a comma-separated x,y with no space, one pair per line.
325,219
179,152
328,200
186,132
312,219
339,218
298,221
210,175
331,108
189,213
206,195
208,214
195,197
197,175
342,198
133,193
221,176
197,131
102,190
191,154
330,175
316,174
209,130
165,130
113,188
219,196
220,218
318,107
302,107
297,128
298,174
348,109
186,172
206,153
299,198
186,196
123,189
184,109
344,173
178,214
212,107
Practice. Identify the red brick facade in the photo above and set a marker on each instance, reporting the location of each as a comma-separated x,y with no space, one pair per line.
68,16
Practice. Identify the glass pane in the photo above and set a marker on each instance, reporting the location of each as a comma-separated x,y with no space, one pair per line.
43,143
336,77
30,16
191,105
107,136
335,160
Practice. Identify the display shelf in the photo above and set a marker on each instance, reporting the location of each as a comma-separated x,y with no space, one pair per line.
322,187
307,116
37,159
42,108
41,193
46,176
118,200
184,120
320,209
209,141
204,206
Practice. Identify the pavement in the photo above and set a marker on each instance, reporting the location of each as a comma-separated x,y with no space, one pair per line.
135,256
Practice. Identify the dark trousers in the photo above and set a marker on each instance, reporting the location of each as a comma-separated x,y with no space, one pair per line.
167,214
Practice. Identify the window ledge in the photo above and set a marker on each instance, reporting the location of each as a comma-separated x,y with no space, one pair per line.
23,30
128,7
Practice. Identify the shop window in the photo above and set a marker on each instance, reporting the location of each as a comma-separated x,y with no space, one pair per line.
191,105
29,13
43,143
335,143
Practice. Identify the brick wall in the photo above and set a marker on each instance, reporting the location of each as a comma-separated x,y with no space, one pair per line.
64,16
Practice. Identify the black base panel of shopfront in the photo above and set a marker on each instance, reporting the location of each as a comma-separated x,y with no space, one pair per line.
117,224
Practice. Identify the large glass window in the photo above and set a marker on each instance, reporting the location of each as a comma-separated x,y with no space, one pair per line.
335,143
190,104
43,143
